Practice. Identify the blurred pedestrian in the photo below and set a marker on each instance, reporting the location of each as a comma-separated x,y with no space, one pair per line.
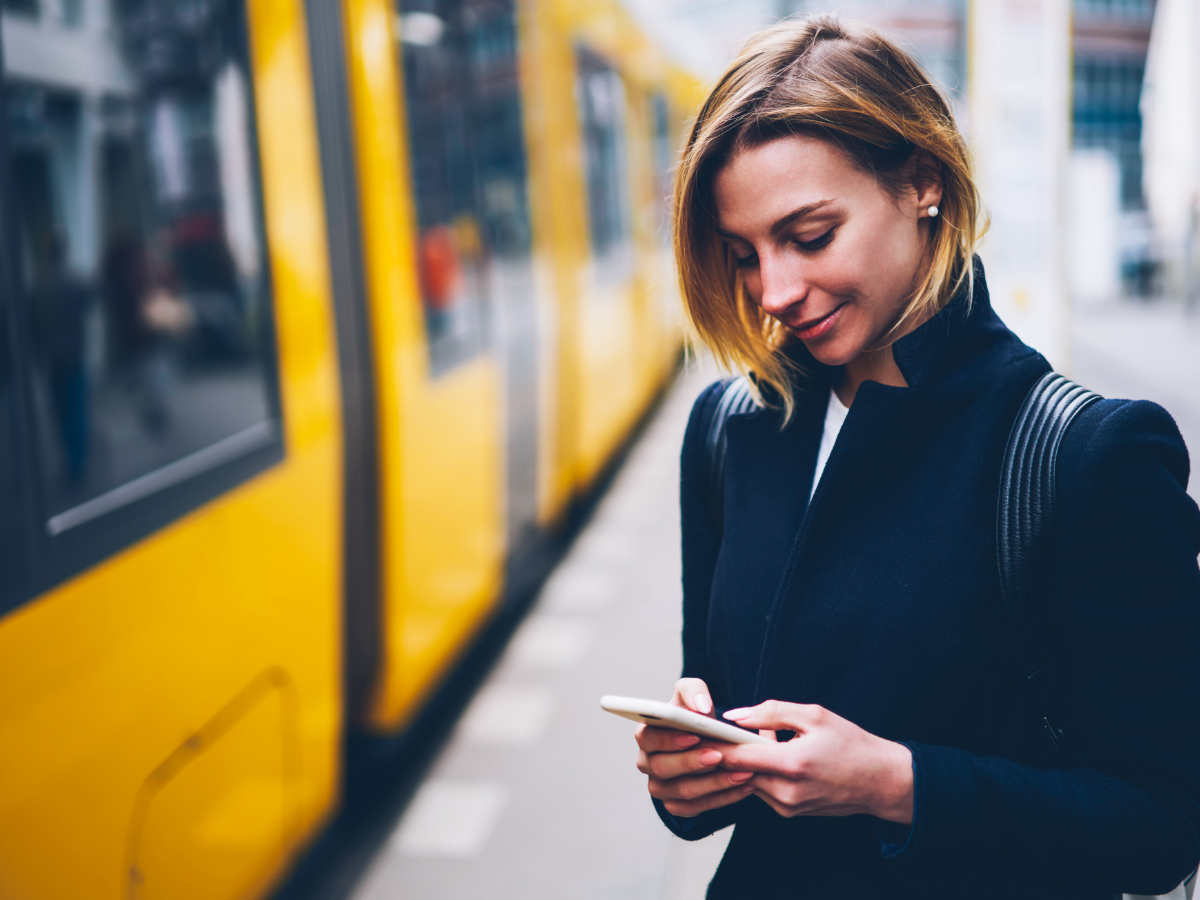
61,303
841,584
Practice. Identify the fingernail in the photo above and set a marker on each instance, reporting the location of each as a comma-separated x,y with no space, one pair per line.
736,714
747,788
710,757
686,740
739,777
702,704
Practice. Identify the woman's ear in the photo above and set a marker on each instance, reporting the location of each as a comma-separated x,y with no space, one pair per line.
927,181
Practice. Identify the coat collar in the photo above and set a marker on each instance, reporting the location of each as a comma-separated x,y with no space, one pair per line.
965,341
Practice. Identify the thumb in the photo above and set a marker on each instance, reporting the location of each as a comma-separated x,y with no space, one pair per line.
692,693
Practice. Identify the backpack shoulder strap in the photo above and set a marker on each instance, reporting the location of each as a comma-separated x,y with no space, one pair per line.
735,399
1026,520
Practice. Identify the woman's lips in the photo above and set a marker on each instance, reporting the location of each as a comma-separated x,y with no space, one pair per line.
820,327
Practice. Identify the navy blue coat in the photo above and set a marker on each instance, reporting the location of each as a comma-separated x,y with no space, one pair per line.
880,600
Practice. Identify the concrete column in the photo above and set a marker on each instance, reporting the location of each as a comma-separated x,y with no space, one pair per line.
1019,79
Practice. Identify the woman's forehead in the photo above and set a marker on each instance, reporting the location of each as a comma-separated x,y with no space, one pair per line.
762,184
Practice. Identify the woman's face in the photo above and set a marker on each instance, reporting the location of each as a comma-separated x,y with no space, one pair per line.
819,245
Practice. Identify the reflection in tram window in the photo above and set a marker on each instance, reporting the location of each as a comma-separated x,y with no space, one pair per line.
600,95
468,166
140,246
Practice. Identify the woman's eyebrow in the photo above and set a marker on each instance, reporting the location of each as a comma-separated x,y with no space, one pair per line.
795,214
781,223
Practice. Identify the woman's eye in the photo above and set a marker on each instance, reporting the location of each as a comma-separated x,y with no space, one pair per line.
747,261
818,242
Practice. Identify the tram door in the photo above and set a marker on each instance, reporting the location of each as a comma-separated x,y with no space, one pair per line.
467,169
446,250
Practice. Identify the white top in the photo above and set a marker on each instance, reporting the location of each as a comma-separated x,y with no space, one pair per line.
835,416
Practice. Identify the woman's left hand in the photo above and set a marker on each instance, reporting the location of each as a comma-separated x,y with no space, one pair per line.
830,768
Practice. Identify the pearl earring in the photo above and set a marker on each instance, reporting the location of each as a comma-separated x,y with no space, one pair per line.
933,211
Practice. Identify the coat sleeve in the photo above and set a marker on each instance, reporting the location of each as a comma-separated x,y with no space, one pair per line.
1123,814
701,540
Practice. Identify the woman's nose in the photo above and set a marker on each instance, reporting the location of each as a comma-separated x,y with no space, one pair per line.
782,287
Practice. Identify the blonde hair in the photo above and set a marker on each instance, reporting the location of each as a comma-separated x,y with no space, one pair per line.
862,93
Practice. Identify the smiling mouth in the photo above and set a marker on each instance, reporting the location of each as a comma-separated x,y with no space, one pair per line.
815,328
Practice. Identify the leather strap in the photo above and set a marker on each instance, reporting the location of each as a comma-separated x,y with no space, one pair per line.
1026,518
737,398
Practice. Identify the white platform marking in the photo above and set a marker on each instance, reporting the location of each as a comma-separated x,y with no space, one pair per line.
547,642
579,587
508,716
450,818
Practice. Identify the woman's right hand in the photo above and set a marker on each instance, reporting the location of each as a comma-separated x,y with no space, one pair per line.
684,769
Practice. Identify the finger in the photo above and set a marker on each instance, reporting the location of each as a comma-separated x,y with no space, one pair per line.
782,760
694,787
689,762
687,808
776,714
663,740
645,767
692,693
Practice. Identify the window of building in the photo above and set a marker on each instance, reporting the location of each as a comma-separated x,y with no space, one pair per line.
1131,9
143,303
462,97
600,95
1106,98
21,7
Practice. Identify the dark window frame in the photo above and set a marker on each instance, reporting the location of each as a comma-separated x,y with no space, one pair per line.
607,172
53,549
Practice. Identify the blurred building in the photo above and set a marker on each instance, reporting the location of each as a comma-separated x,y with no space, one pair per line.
935,30
706,34
1170,110
1110,39
1109,43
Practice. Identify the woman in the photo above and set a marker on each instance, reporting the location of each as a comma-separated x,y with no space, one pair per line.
846,595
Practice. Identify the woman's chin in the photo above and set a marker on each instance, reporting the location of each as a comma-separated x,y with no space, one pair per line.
832,352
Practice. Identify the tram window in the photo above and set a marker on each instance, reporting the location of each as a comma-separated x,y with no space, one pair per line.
147,337
462,97
600,95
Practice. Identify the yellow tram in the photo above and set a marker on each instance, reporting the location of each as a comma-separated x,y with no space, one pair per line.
315,317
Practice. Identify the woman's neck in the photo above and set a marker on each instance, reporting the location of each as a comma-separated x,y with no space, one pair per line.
873,365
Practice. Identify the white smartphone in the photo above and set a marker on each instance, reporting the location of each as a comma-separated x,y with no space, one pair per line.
664,715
